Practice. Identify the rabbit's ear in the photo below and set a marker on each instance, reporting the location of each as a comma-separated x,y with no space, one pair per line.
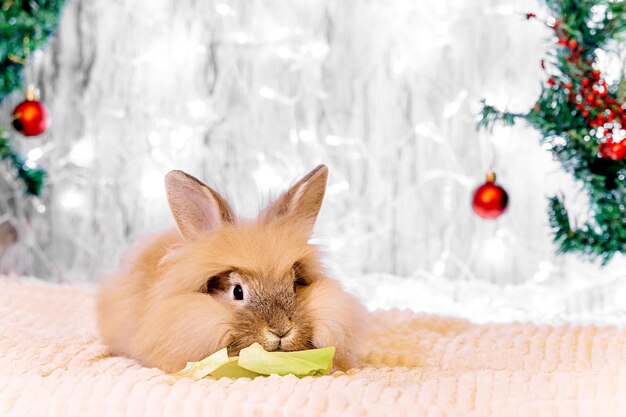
196,207
302,201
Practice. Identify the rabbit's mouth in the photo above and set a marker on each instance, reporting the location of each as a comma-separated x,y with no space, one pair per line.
309,345
275,341
278,337
287,343
291,347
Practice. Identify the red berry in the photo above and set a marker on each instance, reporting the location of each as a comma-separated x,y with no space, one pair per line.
598,102
585,113
562,41
569,86
585,82
551,81
603,149
573,44
613,150
590,98
600,119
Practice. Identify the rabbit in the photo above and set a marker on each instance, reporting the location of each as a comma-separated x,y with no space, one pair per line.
220,281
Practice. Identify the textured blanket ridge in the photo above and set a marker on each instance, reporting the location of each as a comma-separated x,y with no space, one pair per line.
52,364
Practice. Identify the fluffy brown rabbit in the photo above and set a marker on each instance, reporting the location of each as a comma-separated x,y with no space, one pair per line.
222,282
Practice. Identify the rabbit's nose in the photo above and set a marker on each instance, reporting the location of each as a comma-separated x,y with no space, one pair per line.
281,332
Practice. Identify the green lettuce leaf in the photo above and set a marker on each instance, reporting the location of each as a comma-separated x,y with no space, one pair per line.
231,369
255,361
299,363
198,370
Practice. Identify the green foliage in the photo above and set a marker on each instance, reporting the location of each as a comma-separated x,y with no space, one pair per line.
25,25
592,22
573,127
33,177
490,115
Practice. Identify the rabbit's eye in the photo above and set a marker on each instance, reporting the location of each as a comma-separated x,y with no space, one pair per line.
299,279
238,292
299,284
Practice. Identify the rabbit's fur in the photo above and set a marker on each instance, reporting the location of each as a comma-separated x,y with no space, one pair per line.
174,298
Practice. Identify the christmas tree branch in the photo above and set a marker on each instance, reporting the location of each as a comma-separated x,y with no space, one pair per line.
582,120
587,239
32,176
490,115
24,26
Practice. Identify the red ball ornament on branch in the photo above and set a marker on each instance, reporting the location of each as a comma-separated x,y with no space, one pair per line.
490,200
613,150
30,117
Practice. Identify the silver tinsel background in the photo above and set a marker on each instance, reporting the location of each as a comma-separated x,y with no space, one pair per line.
250,95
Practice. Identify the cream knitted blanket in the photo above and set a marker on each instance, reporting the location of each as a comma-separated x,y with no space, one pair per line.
51,364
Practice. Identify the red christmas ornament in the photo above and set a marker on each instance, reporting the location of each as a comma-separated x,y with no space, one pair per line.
613,150
490,200
30,117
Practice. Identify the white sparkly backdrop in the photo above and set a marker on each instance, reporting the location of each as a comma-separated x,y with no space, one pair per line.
248,95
